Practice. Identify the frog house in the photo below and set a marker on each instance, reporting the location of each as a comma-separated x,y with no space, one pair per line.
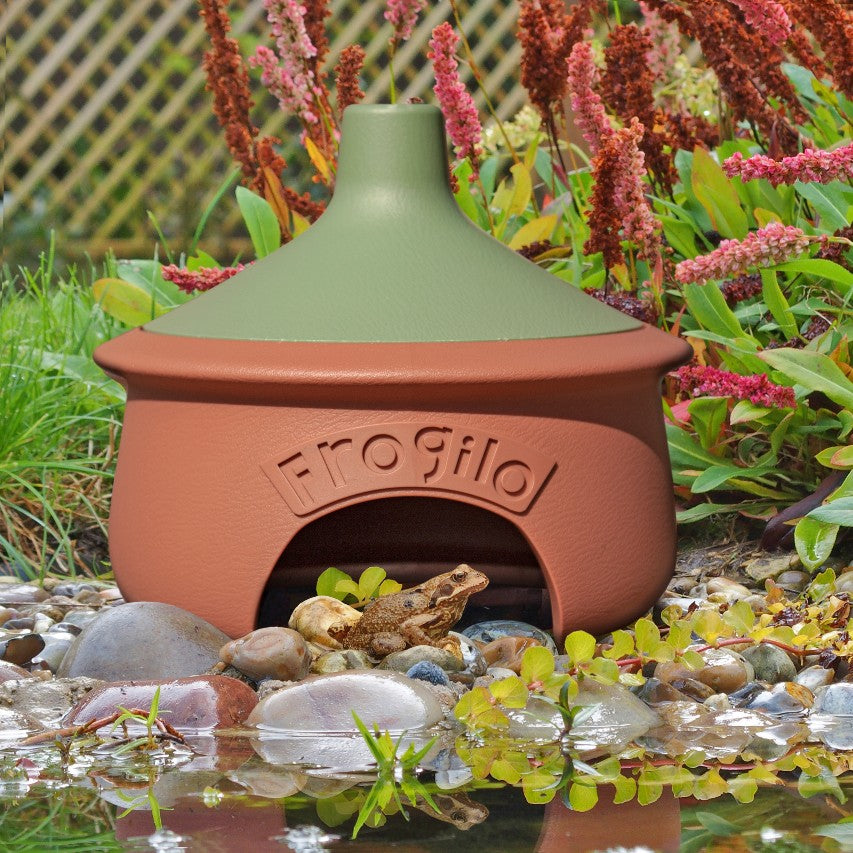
394,387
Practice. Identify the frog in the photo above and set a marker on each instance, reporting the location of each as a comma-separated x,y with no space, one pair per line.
418,616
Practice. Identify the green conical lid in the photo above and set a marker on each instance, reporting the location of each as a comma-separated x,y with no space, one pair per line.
392,259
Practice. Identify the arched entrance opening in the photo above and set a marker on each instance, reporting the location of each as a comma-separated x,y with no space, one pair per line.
413,538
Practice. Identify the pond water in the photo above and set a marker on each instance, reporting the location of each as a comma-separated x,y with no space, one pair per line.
221,796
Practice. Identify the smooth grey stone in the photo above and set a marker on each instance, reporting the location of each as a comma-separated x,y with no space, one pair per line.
404,660
835,699
475,663
81,618
144,640
770,663
55,648
21,593
785,699
325,703
485,632
814,677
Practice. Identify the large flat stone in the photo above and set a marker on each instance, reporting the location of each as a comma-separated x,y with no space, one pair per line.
144,640
325,703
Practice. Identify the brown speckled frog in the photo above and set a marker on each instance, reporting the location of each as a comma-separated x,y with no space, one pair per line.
419,616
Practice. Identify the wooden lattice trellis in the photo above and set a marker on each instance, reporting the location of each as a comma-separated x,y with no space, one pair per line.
106,117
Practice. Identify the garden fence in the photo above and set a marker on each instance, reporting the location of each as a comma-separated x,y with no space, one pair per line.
106,116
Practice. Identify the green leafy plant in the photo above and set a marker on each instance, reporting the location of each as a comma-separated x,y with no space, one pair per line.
396,775
372,583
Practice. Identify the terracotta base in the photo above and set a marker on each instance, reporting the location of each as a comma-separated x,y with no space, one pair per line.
231,448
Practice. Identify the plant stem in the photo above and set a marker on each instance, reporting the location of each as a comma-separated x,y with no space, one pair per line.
392,47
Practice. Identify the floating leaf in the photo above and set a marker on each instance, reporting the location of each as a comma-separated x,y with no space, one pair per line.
537,664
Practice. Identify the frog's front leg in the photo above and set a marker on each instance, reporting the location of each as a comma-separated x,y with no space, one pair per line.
386,642
413,630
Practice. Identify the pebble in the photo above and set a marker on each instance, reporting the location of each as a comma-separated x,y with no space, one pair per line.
324,703
273,652
314,616
21,649
814,677
56,646
405,659
475,663
199,703
724,672
340,661
793,580
485,632
7,613
144,640
728,590
835,699
21,623
81,618
693,688
655,692
425,670
21,593
770,663
11,672
782,700
844,583
762,568
508,652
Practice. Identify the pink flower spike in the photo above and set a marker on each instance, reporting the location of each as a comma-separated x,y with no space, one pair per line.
287,75
701,381
809,166
587,106
402,15
460,114
203,278
767,17
773,244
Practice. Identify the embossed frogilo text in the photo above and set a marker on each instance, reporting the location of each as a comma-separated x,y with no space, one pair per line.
409,456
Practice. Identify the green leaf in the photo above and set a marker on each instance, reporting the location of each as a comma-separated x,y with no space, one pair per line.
647,635
718,825
81,368
623,645
775,300
828,204
718,196
510,692
718,475
388,587
707,415
537,664
580,647
815,371
626,789
840,456
260,220
745,411
369,581
582,797
702,511
148,274
838,512
128,303
604,670
708,307
685,451
680,235
814,541
821,268
328,581
824,783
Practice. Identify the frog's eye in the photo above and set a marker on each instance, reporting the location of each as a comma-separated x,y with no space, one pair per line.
460,576
458,816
